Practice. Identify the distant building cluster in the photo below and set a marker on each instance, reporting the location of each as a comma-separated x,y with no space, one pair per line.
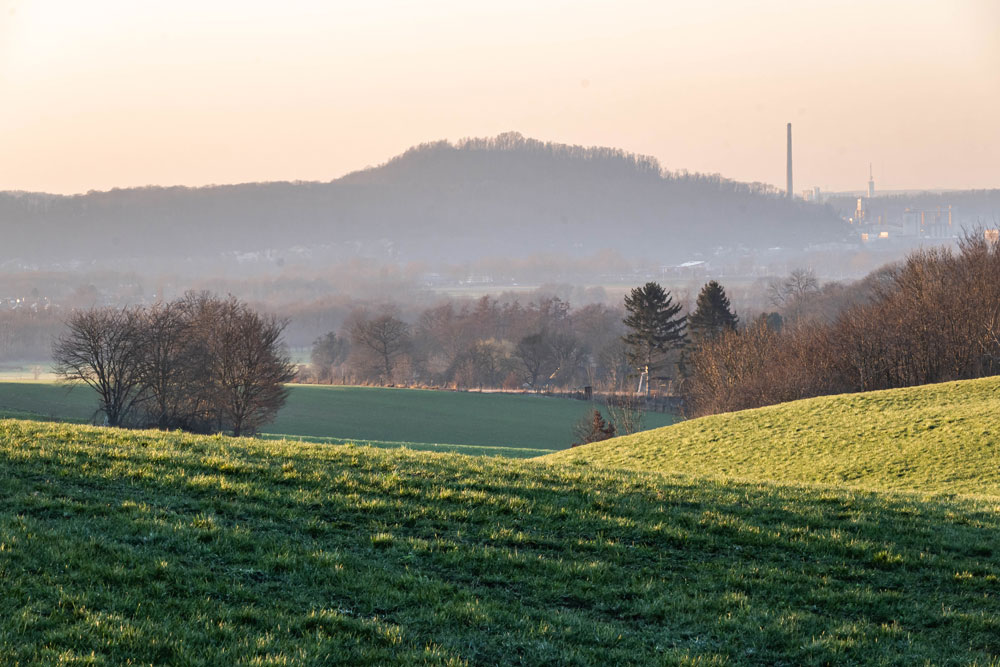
874,222
880,220
813,195
34,304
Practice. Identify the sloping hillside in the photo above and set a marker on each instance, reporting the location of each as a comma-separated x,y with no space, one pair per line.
507,196
148,548
941,438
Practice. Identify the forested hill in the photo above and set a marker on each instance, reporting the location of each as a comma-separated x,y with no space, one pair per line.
506,196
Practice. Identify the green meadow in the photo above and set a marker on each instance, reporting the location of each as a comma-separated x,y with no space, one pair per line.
940,438
518,425
143,547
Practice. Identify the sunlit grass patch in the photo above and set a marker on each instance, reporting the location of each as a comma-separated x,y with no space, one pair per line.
157,548
942,438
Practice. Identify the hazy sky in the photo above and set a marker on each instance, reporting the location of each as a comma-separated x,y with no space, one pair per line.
96,94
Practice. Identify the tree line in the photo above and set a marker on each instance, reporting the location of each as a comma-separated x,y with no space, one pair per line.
487,343
200,363
544,344
933,317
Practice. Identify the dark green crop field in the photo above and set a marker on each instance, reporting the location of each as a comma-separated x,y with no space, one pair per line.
424,416
47,400
472,423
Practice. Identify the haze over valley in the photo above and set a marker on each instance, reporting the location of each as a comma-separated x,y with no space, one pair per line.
504,215
505,197
521,332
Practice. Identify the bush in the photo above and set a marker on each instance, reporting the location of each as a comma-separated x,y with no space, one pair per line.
592,429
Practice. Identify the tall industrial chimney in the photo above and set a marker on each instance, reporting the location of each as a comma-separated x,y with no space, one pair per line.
789,167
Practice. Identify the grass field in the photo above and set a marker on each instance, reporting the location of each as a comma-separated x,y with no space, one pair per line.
471,423
149,548
47,400
465,418
942,438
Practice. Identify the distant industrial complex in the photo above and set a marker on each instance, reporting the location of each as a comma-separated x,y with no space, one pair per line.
891,217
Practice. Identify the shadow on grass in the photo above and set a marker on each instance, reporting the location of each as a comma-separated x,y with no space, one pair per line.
167,549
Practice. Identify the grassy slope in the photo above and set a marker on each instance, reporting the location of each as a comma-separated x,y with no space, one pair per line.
421,419
942,438
468,450
164,548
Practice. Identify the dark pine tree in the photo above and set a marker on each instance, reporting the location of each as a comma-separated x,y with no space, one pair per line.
655,326
712,314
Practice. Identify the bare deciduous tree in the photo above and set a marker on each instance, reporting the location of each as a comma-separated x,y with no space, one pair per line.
386,336
328,351
932,318
248,363
202,364
102,348
788,293
535,355
485,364
172,367
626,410
569,356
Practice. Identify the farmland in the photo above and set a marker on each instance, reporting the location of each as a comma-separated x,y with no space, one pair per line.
471,423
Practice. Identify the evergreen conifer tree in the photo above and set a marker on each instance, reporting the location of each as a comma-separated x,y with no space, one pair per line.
712,314
655,326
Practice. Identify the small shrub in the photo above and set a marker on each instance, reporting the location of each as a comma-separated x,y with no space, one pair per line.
592,429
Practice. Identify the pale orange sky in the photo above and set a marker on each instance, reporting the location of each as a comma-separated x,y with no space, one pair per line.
113,93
